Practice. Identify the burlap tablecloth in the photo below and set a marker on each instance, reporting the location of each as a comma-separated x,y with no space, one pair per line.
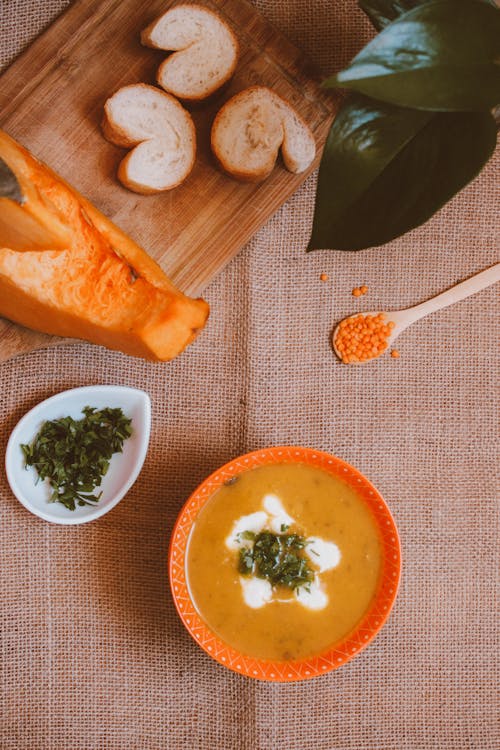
93,653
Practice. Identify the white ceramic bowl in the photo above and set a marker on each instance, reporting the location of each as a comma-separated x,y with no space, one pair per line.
124,467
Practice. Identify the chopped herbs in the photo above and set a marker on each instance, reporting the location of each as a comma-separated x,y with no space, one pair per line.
247,536
245,564
74,455
277,557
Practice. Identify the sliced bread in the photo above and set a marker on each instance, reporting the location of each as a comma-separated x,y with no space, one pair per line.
205,51
249,130
162,132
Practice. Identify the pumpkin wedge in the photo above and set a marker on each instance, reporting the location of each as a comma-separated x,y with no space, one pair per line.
94,282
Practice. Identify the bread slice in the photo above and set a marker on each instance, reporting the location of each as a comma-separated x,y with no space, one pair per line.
249,130
205,51
162,132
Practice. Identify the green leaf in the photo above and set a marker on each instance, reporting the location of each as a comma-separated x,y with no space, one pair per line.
386,170
382,12
443,56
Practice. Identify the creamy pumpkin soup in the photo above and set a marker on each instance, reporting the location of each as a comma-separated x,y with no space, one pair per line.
283,561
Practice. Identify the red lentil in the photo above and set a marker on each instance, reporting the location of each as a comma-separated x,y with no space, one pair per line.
362,337
359,291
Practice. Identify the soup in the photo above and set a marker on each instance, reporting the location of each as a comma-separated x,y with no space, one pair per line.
283,561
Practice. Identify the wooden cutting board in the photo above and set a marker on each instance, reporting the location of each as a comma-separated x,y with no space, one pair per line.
51,101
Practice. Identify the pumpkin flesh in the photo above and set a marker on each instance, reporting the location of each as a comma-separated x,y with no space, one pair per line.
101,286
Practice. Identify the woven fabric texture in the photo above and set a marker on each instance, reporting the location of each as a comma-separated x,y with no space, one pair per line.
93,655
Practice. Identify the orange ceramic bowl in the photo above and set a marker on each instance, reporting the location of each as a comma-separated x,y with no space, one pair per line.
340,652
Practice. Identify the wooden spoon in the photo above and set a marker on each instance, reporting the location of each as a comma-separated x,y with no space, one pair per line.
403,318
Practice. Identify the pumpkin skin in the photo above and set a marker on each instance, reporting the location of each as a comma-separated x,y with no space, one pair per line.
95,283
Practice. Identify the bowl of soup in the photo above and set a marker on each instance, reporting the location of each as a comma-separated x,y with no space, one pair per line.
284,563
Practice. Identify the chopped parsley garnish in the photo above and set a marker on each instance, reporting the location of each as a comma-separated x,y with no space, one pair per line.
277,557
247,536
74,455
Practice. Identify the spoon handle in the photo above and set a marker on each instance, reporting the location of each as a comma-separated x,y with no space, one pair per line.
457,293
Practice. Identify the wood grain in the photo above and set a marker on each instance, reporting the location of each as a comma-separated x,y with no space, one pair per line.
51,100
